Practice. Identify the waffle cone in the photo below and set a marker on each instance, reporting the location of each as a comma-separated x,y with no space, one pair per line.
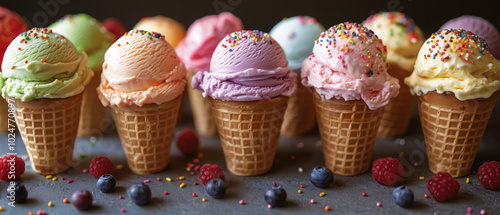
453,130
180,112
249,133
146,134
92,113
4,116
348,130
202,112
299,115
48,128
397,114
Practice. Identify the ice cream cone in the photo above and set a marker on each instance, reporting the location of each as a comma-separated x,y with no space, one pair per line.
299,115
180,113
397,113
249,132
453,130
202,113
48,128
3,116
146,134
348,130
92,112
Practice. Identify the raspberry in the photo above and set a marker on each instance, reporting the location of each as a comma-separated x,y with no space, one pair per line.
489,175
443,187
209,172
11,167
101,165
388,171
187,141
114,26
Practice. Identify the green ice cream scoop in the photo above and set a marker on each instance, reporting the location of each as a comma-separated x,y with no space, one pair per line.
88,35
42,64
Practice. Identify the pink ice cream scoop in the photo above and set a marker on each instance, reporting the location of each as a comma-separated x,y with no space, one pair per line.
480,27
246,66
202,37
349,61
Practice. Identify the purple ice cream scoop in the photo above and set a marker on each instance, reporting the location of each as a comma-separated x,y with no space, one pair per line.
480,27
246,66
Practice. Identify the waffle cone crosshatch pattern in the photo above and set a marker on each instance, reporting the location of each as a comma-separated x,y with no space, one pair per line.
249,133
453,130
342,104
348,130
48,128
146,134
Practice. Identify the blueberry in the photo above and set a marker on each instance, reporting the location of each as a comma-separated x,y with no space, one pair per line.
216,188
18,191
106,183
403,196
275,196
81,199
140,194
321,177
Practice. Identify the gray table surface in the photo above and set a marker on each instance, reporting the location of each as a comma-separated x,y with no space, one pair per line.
344,197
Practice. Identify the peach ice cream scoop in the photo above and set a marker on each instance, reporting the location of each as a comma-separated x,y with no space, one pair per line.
141,68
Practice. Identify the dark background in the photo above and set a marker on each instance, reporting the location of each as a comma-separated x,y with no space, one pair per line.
256,14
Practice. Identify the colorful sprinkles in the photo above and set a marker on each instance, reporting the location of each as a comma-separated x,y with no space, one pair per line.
234,39
464,44
355,34
403,22
150,35
41,34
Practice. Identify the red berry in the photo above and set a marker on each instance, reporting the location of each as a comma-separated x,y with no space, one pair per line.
114,26
11,167
101,165
209,172
489,175
388,171
187,141
443,187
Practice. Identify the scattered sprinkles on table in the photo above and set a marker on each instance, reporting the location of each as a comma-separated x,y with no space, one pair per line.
355,34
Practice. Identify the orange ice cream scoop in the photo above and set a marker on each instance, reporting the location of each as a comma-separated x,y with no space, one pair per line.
141,68
173,31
